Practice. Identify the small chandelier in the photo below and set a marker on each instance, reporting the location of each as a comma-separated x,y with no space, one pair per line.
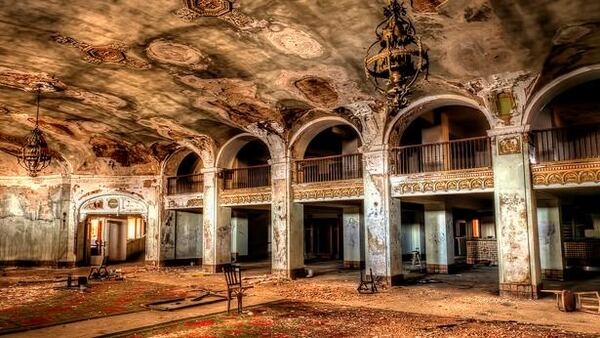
400,58
35,155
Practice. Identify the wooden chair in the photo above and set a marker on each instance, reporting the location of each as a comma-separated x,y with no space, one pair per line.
233,277
367,283
588,301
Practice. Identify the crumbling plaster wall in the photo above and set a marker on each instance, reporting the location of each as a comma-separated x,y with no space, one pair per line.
33,214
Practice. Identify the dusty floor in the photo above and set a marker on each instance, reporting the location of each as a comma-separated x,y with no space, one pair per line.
467,301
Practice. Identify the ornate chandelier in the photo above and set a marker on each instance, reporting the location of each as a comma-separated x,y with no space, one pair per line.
35,155
400,57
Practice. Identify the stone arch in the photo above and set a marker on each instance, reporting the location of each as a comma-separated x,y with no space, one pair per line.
111,194
428,103
301,139
173,161
228,152
556,87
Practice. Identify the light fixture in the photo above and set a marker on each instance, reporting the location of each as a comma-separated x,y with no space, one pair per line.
400,58
35,155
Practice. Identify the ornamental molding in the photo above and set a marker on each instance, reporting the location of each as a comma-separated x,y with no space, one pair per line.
248,196
481,180
566,173
336,190
190,201
509,145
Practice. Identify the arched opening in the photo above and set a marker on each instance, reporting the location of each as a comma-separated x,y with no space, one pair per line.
443,139
566,131
327,152
245,164
248,167
188,178
448,233
112,228
331,155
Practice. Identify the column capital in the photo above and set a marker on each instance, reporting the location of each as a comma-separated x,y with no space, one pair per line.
510,130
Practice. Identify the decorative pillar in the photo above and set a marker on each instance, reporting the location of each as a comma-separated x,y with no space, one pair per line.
439,238
551,254
516,219
216,226
382,218
287,223
239,235
353,238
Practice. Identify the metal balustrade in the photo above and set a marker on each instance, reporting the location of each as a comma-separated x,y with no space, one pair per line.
471,153
330,168
248,177
565,144
187,184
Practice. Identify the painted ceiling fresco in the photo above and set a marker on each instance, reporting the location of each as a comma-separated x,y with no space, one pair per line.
126,80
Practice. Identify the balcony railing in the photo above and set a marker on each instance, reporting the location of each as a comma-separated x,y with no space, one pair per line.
249,177
564,144
187,184
330,168
462,154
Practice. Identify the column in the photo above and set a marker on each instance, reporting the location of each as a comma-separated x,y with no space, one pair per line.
353,238
382,219
516,219
551,255
239,235
439,238
287,224
216,226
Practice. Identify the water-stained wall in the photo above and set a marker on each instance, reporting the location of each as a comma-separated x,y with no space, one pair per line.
33,215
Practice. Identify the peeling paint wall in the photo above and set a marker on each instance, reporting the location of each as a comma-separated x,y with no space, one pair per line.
33,215
353,237
188,239
382,219
216,226
551,257
439,235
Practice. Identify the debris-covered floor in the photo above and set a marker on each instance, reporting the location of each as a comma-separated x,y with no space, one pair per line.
463,304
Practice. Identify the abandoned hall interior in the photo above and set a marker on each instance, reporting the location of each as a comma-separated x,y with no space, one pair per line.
404,141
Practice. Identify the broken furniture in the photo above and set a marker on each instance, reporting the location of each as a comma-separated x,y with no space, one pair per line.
565,299
101,272
205,297
416,264
78,282
588,301
233,278
367,283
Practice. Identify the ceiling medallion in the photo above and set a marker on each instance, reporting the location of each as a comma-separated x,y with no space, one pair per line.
114,53
35,154
400,58
210,8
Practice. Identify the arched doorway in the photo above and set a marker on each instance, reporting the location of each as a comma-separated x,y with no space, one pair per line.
112,227
566,132
326,154
451,228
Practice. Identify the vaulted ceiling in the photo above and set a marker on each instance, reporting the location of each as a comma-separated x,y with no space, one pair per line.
135,76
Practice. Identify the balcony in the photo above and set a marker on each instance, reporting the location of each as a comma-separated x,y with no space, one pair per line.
248,177
465,154
330,168
566,156
566,144
188,184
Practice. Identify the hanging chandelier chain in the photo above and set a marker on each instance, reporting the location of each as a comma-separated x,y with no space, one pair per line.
37,115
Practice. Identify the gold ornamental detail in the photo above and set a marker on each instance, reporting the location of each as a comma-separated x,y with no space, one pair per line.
445,182
563,173
353,189
250,196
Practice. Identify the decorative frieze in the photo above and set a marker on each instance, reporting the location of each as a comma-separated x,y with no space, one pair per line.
250,196
450,181
565,173
336,190
189,201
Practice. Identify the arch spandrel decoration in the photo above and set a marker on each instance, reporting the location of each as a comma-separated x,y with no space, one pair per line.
114,205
